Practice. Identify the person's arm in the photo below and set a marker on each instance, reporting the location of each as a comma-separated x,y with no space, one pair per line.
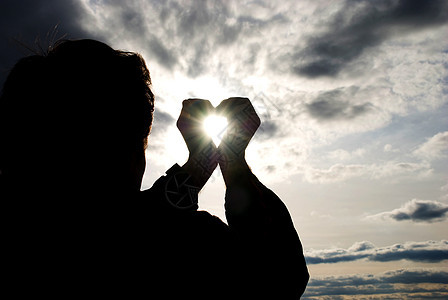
256,215
180,186
203,158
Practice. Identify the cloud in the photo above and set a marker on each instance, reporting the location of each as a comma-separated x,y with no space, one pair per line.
444,189
236,47
393,168
335,173
429,251
361,246
164,56
435,147
360,25
390,148
427,211
267,130
28,21
181,36
341,172
162,120
163,123
334,105
419,283
344,110
232,43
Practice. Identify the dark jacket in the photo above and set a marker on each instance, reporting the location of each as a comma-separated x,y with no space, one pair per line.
139,246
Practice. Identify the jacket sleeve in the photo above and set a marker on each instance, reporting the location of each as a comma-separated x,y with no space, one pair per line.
271,247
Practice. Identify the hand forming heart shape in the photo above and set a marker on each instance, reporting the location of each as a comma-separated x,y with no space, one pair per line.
242,120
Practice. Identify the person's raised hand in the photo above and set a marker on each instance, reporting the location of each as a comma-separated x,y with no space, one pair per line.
203,158
243,123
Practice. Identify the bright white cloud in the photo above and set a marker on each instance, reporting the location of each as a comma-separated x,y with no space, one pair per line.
341,172
390,148
435,147
335,173
344,155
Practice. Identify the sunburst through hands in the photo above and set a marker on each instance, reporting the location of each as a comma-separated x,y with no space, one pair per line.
215,126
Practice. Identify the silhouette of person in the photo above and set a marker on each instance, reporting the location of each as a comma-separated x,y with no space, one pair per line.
74,124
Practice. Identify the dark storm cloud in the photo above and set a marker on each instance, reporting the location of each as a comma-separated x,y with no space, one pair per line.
423,211
413,254
430,251
132,20
193,32
29,20
205,26
391,277
390,282
360,25
189,34
335,109
194,20
328,259
211,19
334,105
179,36
417,211
164,56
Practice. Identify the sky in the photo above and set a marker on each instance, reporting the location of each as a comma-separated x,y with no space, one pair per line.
353,98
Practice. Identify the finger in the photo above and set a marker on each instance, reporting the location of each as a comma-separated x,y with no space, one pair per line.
194,104
186,114
224,107
231,107
207,106
196,108
192,100
238,99
231,103
193,114
197,103
200,109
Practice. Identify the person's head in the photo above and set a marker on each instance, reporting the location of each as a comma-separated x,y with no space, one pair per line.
76,118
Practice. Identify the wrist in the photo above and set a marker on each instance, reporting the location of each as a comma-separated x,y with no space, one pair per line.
200,169
235,171
229,160
180,189
233,164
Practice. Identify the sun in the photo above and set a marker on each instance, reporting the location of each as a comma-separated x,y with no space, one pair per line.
215,126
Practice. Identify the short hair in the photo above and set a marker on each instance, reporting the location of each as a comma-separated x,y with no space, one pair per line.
81,105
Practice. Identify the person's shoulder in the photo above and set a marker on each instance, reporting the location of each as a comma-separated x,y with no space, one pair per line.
206,217
203,224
